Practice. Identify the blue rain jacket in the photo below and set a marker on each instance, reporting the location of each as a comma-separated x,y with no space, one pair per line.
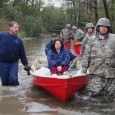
58,59
49,45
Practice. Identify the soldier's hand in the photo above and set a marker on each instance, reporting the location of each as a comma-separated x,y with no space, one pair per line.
87,71
84,71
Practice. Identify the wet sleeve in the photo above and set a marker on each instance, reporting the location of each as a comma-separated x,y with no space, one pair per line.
47,49
23,54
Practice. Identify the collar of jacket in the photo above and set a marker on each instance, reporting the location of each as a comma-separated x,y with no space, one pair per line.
97,35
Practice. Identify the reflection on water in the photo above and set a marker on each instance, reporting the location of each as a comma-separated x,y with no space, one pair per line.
28,99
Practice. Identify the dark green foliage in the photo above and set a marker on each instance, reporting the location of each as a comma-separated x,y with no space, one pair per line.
53,18
3,3
34,17
33,26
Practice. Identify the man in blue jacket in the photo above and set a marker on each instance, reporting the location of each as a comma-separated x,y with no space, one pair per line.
11,50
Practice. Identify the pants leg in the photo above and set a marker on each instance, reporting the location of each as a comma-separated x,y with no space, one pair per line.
4,73
13,74
64,69
68,45
95,85
77,49
109,88
54,70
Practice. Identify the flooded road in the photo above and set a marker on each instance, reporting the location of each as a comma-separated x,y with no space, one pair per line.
27,99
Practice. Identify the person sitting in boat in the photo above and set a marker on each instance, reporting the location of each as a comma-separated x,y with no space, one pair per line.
50,43
58,58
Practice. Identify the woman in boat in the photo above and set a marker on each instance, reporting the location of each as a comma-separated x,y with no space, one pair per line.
51,42
58,58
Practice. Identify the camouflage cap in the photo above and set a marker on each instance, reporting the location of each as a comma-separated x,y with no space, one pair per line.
74,27
68,26
89,25
103,22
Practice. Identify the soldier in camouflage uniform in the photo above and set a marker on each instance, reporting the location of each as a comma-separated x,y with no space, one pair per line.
78,36
90,29
66,36
99,58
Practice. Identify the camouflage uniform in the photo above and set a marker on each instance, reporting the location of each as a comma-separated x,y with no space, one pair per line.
99,58
78,34
74,28
65,33
87,38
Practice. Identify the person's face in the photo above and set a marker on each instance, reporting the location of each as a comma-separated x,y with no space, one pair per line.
90,30
103,30
58,45
14,29
54,38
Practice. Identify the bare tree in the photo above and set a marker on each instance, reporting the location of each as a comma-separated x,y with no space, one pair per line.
74,6
96,11
15,2
106,9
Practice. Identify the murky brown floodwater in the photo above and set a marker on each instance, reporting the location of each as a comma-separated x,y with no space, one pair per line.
28,99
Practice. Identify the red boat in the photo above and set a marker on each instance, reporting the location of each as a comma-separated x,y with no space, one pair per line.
61,88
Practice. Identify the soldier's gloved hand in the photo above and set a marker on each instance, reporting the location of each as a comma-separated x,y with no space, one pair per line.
84,70
27,68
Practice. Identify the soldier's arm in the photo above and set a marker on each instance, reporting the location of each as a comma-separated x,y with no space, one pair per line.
83,46
86,57
61,33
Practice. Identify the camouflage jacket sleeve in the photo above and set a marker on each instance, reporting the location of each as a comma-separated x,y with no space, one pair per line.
84,43
81,34
86,57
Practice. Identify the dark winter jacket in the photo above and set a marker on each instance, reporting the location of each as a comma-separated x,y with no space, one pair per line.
58,59
49,45
11,48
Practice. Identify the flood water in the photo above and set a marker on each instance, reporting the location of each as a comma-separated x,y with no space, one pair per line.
27,99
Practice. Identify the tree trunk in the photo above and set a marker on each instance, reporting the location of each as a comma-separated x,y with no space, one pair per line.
15,2
33,1
79,13
112,15
75,18
107,11
96,11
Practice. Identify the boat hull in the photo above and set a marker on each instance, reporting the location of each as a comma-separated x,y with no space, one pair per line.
63,89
